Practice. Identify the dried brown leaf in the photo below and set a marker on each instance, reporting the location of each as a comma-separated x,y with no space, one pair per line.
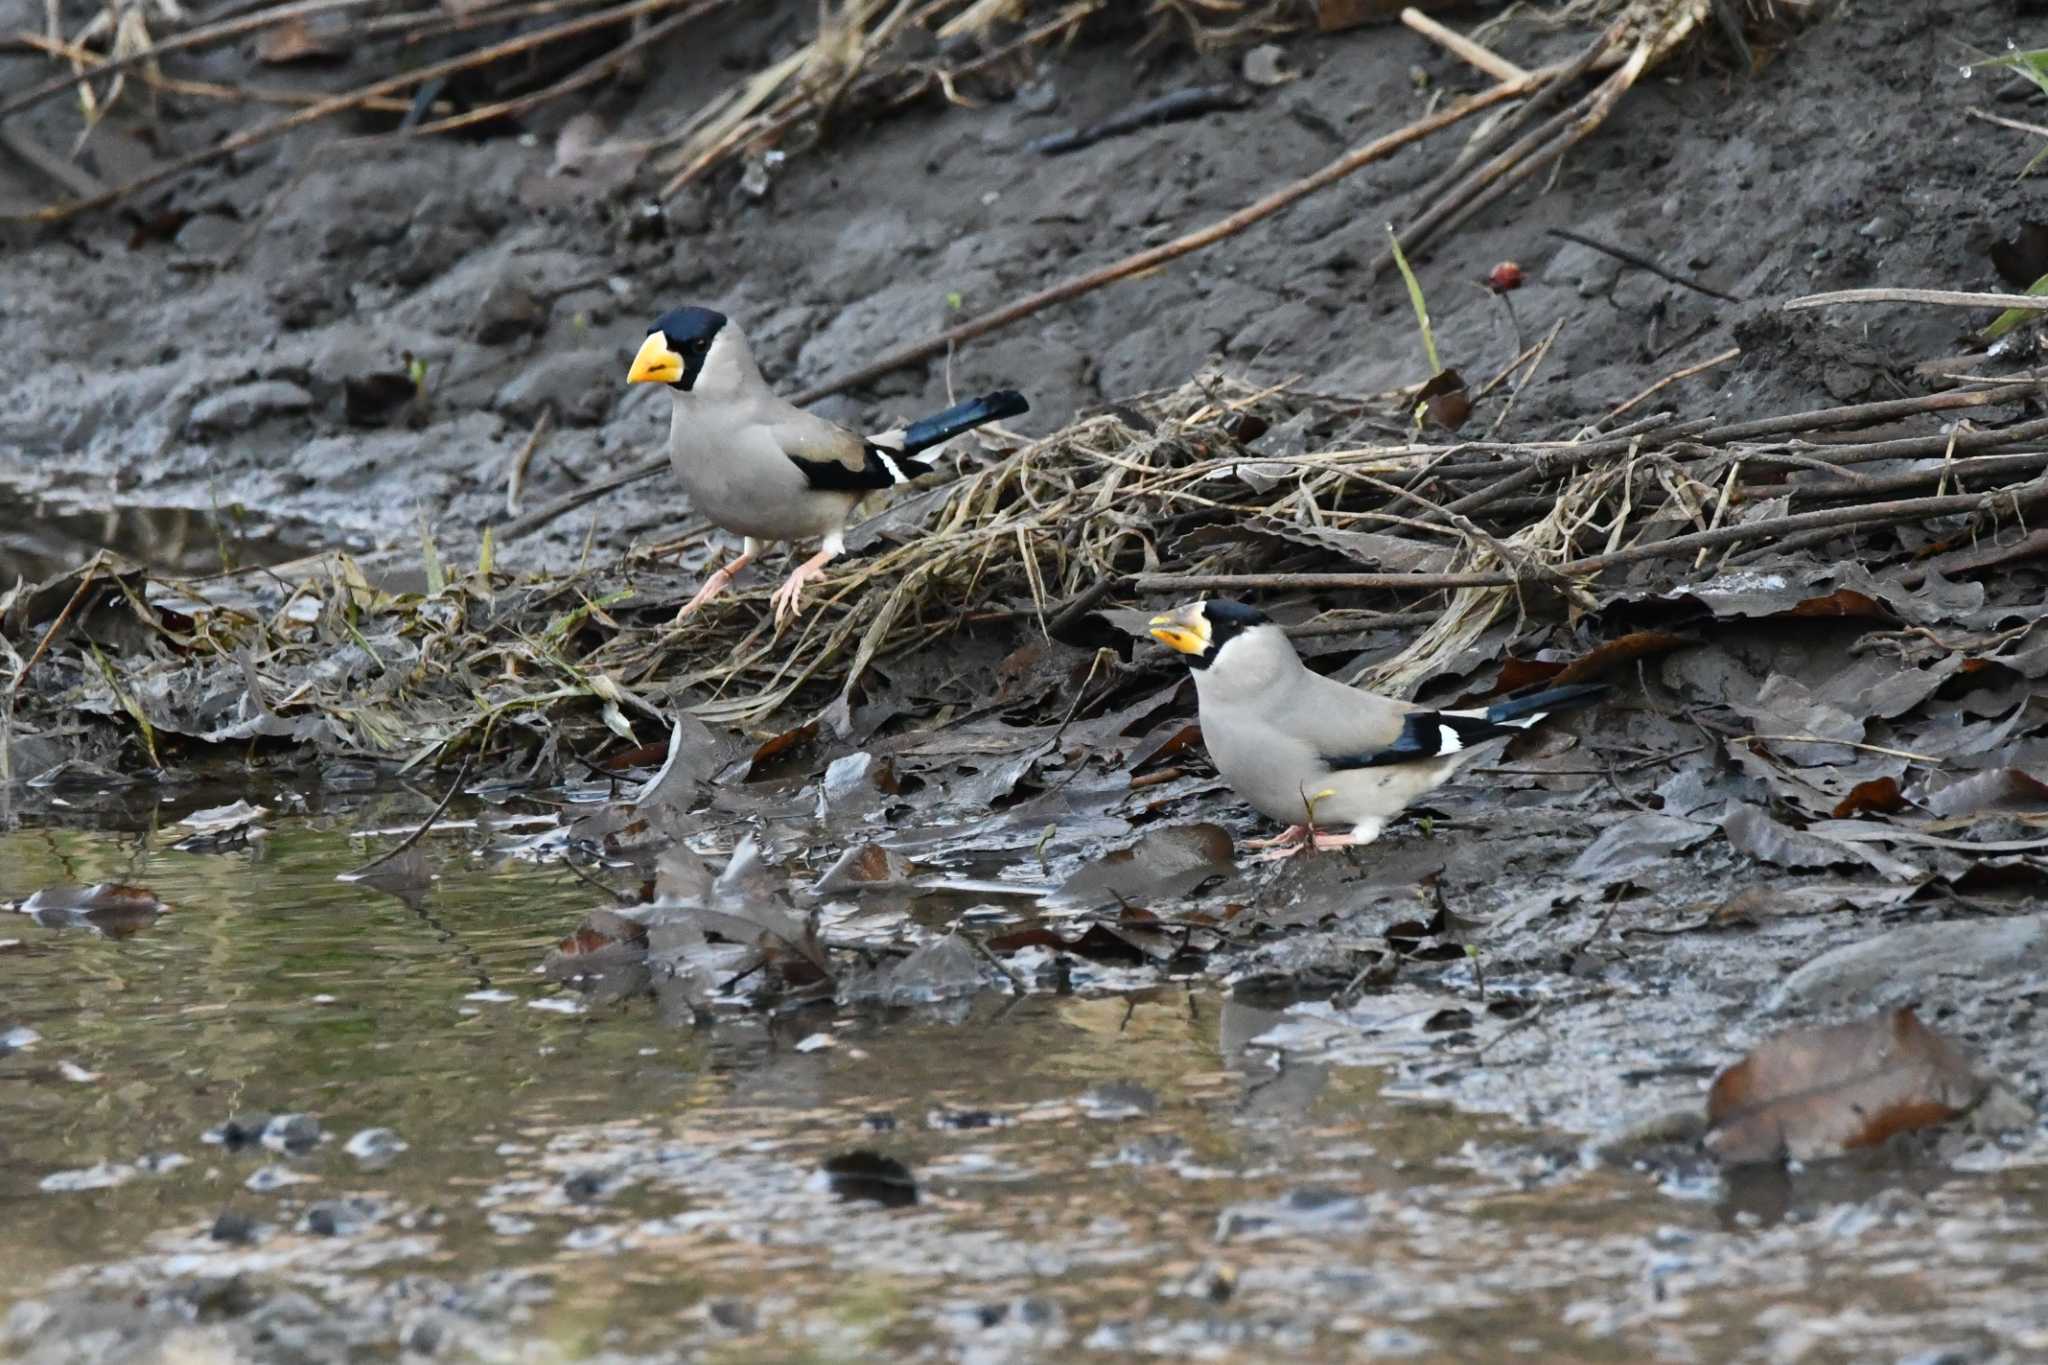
778,746
1822,1091
301,40
1878,796
2000,789
1446,399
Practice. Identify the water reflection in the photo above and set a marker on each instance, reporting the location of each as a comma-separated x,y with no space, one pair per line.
439,1146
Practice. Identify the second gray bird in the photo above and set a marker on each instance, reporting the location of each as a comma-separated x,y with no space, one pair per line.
1314,754
764,468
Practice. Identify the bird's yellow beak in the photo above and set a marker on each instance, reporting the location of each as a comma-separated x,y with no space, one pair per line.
656,363
1185,629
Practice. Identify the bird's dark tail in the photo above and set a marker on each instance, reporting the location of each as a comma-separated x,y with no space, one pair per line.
927,432
1522,712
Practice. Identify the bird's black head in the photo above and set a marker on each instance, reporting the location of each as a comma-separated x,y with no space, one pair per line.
1200,630
675,348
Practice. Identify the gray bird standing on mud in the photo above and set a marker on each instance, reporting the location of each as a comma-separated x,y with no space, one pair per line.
764,468
1314,754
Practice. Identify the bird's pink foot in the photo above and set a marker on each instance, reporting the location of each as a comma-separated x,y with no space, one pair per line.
788,599
1293,834
716,584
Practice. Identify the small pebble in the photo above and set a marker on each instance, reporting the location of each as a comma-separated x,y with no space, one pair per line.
236,1229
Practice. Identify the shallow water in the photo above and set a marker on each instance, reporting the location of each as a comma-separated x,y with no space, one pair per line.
46,536
1098,1172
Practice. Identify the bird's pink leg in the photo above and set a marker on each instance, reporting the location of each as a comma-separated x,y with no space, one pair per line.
1282,846
1362,834
1293,834
788,599
721,580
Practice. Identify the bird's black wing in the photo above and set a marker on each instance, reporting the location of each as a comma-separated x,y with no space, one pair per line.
883,468
1434,734
1426,735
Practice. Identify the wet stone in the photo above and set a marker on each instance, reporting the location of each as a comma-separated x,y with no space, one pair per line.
870,1177
245,406
340,1217
243,1130
577,385
235,1229
1309,1209
209,234
292,1133
507,312
1120,1100
732,1315
375,1145
584,1186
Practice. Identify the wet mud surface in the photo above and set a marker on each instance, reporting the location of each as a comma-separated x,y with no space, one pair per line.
299,1118
522,287
998,1046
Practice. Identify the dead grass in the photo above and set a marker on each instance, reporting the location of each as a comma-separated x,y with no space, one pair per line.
1167,498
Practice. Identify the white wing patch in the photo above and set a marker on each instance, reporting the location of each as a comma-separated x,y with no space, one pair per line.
896,474
1518,722
1447,740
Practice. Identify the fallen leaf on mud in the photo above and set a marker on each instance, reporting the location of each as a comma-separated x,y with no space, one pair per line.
606,955
1446,399
1777,900
108,908
1333,15
406,876
1437,940
1169,741
301,39
1879,796
1164,865
695,755
1914,961
747,905
780,745
1637,841
1823,1091
869,1177
1839,591
1097,943
2000,789
221,828
216,819
1751,831
2024,258
855,785
1840,602
371,399
603,929
944,969
865,867
1516,674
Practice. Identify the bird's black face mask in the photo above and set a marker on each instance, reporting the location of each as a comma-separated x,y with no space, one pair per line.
676,348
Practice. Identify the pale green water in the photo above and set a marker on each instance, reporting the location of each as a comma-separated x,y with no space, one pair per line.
650,1188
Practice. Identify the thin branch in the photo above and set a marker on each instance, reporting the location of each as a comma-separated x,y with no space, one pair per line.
1946,298
461,776
1642,262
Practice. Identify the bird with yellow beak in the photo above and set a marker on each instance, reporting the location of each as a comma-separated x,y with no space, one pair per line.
762,467
1332,763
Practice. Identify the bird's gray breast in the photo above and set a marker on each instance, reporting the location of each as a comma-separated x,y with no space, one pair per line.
1265,761
738,477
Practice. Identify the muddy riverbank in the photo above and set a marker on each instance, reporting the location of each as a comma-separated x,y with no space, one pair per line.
901,985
